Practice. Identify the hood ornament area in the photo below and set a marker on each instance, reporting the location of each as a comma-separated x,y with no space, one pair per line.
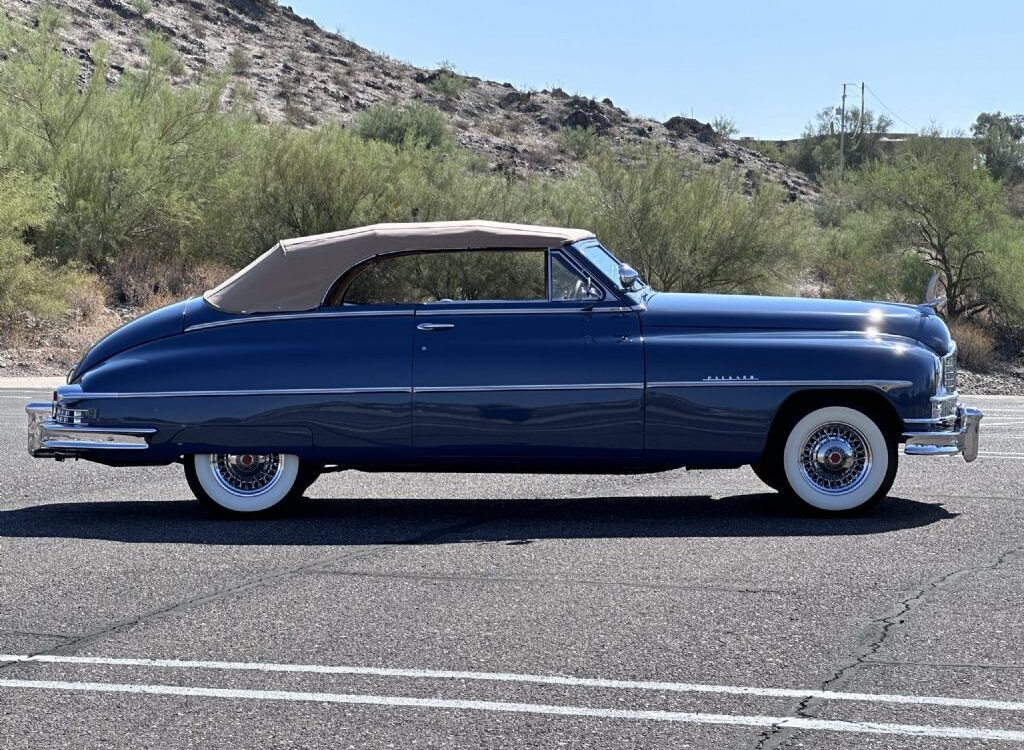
933,300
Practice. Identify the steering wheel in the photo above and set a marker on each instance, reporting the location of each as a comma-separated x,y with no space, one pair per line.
576,290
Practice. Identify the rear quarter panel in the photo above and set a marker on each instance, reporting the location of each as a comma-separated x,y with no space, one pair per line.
320,387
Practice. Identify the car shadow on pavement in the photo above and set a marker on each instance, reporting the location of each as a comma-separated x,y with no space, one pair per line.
449,521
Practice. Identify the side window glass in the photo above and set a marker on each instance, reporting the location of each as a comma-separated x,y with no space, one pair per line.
457,276
568,285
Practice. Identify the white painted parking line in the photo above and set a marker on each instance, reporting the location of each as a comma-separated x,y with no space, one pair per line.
681,717
591,682
31,383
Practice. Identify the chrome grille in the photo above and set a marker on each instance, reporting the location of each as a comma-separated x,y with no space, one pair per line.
949,371
64,415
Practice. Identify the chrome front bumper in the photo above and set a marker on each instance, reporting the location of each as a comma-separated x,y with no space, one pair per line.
50,439
961,439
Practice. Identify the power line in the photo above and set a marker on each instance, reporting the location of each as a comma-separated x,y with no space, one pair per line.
886,108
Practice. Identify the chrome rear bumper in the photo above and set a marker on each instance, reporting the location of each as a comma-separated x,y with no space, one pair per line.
50,439
961,439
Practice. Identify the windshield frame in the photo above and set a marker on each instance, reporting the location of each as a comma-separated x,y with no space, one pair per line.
602,260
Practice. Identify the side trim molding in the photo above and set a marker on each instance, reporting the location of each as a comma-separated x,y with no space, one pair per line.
882,385
301,316
524,311
401,313
553,387
256,392
346,391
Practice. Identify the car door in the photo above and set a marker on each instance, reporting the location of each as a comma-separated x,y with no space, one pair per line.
553,378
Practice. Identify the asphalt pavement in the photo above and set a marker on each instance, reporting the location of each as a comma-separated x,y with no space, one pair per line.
676,610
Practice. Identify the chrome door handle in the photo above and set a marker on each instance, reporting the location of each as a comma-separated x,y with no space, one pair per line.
434,326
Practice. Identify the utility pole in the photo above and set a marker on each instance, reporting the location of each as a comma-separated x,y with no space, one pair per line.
842,134
861,126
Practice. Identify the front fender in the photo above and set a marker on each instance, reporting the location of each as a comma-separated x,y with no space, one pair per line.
713,396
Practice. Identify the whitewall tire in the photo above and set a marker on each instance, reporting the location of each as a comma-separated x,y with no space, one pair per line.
836,459
244,484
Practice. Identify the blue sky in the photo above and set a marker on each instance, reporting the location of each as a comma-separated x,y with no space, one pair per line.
768,65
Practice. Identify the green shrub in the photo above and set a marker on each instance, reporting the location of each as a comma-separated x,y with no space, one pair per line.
768,148
724,127
687,228
936,207
27,284
415,123
578,143
239,61
447,82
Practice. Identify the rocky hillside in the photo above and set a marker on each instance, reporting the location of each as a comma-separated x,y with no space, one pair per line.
293,70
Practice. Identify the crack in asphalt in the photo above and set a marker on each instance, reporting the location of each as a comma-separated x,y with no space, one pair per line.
874,637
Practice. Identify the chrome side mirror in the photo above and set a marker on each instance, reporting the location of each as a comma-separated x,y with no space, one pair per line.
627,276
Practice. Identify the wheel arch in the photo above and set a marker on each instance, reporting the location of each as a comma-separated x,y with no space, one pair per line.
869,400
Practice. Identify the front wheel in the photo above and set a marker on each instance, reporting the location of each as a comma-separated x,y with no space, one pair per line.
837,460
245,483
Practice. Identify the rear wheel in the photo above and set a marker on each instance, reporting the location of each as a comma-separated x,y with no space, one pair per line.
245,484
836,460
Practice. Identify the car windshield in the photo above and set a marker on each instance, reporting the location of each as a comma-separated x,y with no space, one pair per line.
606,263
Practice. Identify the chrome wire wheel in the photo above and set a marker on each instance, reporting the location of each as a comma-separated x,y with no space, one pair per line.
835,458
246,474
244,483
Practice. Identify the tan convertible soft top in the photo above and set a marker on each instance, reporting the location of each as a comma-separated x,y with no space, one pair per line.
296,274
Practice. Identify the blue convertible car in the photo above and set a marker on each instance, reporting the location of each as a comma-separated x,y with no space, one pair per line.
477,346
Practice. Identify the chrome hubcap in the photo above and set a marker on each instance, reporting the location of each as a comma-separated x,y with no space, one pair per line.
246,474
835,459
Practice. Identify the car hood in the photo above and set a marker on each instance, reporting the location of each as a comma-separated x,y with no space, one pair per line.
734,312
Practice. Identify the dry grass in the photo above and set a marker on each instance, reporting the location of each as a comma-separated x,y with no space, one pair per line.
976,348
145,283
31,345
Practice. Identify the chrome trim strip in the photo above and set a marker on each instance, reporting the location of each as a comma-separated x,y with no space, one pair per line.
63,429
300,316
46,438
253,392
397,313
524,311
539,387
883,385
343,391
70,443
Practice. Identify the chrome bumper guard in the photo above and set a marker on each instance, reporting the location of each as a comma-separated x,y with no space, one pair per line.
48,438
961,439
